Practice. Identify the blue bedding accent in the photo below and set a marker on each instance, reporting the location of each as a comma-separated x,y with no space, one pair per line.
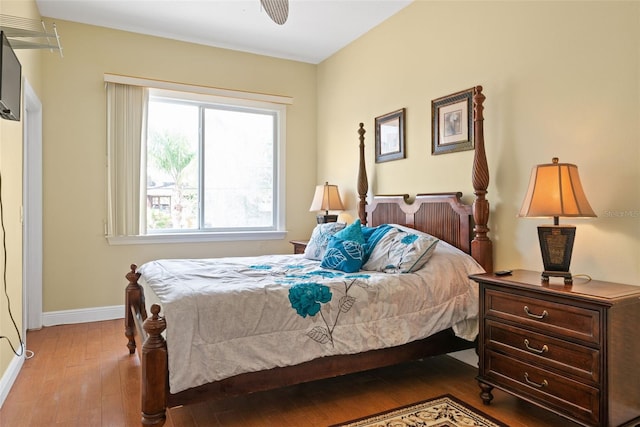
372,236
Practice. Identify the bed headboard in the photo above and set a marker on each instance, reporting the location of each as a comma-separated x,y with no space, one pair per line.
442,215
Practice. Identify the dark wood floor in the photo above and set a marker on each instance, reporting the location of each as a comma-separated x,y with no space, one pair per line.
82,375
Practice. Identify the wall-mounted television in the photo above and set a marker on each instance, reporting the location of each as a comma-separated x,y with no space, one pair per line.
10,81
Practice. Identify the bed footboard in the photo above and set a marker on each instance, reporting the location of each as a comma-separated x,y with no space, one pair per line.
140,329
155,373
133,307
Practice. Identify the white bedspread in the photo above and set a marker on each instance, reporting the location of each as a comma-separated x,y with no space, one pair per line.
228,316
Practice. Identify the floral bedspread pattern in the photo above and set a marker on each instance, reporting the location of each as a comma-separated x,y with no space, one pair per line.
227,316
306,298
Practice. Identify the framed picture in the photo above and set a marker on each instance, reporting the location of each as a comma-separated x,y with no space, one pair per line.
390,136
452,123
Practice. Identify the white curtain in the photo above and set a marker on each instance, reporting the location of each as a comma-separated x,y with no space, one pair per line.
126,117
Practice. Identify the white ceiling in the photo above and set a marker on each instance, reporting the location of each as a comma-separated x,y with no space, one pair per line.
315,29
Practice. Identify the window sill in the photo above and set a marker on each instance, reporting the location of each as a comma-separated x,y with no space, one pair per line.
152,239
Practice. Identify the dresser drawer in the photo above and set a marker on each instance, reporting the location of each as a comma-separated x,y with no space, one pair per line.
579,361
563,320
549,389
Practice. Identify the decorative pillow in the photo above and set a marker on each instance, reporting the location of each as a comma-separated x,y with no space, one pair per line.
343,255
372,236
400,252
367,231
352,232
320,239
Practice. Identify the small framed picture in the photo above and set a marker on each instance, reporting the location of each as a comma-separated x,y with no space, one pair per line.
390,136
452,123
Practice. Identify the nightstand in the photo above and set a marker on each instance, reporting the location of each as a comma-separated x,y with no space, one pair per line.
572,349
299,246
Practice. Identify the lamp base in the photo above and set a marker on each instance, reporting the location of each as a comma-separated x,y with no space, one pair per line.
323,219
568,280
556,245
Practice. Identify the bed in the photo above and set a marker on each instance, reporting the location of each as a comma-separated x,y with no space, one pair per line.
458,226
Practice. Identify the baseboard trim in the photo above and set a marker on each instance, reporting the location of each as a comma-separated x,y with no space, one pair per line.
9,376
82,315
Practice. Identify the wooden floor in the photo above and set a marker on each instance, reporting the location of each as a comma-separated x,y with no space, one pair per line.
82,375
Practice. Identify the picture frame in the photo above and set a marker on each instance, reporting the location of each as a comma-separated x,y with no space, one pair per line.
452,123
390,141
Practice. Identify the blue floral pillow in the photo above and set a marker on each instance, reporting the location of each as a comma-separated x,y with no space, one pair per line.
352,232
320,239
400,252
343,255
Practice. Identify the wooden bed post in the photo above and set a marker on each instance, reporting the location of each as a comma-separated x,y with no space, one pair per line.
481,246
132,298
154,361
363,182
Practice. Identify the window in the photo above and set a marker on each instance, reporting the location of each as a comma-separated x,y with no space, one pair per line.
209,167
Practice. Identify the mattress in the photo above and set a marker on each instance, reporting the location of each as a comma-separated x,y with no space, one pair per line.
227,316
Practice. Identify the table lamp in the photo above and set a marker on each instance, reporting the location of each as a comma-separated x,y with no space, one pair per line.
326,198
554,191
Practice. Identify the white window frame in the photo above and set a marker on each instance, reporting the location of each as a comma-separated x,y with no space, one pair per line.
230,97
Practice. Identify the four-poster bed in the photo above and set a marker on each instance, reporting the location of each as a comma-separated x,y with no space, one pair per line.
441,215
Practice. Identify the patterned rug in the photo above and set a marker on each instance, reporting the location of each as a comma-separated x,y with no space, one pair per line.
443,411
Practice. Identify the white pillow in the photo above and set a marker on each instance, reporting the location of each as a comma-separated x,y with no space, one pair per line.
400,251
320,239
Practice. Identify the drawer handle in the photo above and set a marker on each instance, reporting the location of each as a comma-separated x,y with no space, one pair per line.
535,350
535,316
538,385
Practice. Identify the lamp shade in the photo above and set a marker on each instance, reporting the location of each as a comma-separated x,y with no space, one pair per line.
554,191
326,198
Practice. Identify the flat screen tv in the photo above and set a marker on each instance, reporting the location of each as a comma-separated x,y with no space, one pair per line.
10,81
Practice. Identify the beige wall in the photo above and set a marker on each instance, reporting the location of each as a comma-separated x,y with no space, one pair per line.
81,269
11,169
561,79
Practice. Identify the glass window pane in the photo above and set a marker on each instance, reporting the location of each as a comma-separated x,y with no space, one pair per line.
211,166
172,166
238,168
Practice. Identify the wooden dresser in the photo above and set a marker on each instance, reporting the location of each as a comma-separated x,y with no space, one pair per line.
572,349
